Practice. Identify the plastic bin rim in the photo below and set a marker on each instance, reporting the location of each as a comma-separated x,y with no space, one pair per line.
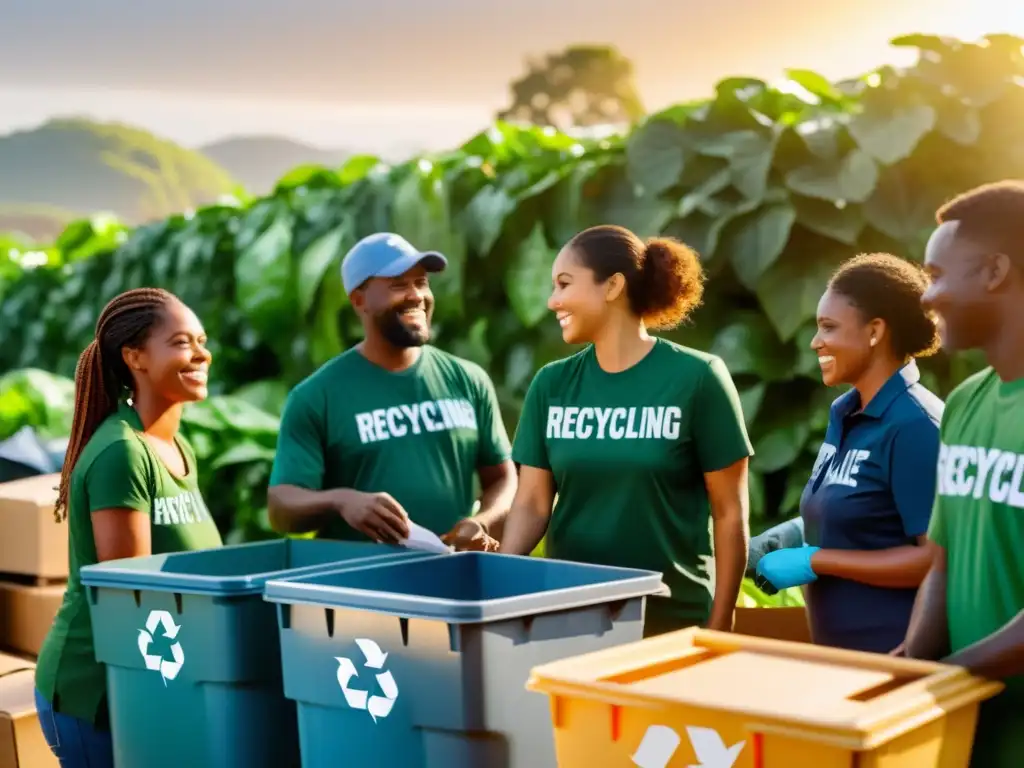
291,591
102,575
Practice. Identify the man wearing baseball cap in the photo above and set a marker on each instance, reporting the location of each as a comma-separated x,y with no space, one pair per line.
393,429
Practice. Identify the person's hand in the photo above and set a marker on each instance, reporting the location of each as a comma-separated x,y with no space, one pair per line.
469,535
784,535
899,650
377,515
785,568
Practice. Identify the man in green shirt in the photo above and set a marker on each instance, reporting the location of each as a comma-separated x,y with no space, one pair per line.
970,609
393,429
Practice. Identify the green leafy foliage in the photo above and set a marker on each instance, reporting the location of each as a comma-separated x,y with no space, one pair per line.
774,185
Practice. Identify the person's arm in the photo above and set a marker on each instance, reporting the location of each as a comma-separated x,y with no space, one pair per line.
730,511
782,536
497,491
724,451
912,471
528,518
117,487
496,471
296,500
998,656
928,633
531,511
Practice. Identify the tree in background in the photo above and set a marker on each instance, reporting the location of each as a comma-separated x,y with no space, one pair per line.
583,86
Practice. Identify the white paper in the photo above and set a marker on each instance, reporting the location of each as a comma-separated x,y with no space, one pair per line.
421,538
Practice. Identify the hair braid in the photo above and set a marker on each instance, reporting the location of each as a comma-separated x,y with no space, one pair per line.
101,376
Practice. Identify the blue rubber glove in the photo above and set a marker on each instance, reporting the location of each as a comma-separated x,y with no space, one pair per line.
785,568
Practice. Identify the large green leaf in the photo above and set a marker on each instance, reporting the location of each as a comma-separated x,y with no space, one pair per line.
815,84
315,261
485,216
748,346
655,155
850,180
900,208
749,153
839,221
890,138
528,280
789,291
263,277
33,398
752,242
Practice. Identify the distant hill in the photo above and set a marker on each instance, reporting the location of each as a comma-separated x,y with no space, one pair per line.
258,162
42,223
76,166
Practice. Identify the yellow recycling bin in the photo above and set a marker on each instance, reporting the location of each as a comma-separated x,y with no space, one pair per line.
703,699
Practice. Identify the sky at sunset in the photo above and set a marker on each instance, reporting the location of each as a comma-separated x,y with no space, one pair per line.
419,72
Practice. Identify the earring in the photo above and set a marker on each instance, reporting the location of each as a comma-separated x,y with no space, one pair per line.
873,341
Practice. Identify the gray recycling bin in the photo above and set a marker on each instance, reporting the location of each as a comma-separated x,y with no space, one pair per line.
423,664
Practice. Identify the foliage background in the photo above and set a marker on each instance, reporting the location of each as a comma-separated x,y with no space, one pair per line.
773,185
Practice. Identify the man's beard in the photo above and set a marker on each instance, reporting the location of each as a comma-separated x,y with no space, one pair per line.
397,333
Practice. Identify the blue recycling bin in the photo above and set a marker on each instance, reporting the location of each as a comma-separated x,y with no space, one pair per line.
191,651
423,663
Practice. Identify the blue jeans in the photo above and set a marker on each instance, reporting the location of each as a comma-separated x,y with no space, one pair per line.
76,743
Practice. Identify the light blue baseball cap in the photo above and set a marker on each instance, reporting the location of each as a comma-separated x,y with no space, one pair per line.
385,254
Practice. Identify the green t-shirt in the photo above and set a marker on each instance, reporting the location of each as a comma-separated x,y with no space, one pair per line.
979,520
116,470
419,435
628,452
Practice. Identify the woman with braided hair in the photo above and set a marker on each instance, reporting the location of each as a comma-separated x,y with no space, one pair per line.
128,488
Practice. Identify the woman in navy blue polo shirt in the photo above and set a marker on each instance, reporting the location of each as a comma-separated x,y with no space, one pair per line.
866,506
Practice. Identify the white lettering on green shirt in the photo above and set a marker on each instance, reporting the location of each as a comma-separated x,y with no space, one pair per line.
633,423
186,508
427,416
969,470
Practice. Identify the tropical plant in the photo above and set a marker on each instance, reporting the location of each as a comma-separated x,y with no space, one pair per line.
774,185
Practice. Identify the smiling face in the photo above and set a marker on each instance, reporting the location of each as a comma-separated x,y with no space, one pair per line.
174,362
843,341
580,303
399,308
960,292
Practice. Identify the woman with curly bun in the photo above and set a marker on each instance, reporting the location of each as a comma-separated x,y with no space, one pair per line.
866,507
643,439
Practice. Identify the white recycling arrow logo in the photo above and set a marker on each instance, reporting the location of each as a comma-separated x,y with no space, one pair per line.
659,745
168,668
379,706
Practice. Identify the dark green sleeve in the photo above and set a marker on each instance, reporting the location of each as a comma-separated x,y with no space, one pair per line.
530,447
719,430
299,459
121,477
494,442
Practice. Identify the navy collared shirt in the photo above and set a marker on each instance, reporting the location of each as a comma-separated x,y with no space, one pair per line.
872,488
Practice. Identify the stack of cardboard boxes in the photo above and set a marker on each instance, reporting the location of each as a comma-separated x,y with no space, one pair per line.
33,572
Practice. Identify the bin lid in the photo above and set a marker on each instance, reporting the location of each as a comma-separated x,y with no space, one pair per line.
468,587
238,569
859,700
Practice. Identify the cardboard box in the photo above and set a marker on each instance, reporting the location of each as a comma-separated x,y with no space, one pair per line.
31,542
22,744
26,614
773,623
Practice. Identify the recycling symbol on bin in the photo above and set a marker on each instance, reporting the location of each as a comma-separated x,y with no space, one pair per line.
168,668
374,658
660,743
